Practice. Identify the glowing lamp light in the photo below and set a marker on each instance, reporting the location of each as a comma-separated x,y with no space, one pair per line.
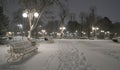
97,28
93,28
25,15
36,14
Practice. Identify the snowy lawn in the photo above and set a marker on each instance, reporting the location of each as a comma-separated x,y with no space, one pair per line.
68,54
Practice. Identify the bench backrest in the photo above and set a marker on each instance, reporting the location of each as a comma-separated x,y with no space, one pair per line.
18,47
21,44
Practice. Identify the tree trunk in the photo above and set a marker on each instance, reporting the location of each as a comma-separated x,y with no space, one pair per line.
29,34
30,24
62,25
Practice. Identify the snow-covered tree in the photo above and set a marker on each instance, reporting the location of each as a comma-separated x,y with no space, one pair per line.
38,6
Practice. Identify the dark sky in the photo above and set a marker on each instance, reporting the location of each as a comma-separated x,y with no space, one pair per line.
109,8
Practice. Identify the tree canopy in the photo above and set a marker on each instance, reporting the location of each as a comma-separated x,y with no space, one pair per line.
3,22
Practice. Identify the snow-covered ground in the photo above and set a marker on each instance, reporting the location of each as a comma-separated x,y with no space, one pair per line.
68,54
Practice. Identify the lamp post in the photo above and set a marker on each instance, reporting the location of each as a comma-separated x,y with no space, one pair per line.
76,32
62,31
94,29
20,26
108,34
43,31
83,33
102,31
102,34
31,15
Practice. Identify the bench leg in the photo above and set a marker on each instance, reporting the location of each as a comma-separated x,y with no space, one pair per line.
14,58
36,50
9,60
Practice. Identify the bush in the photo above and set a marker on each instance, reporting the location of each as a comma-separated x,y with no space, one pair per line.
3,40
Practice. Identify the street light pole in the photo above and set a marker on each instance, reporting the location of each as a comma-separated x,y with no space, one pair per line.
103,34
21,29
43,31
62,31
94,29
30,15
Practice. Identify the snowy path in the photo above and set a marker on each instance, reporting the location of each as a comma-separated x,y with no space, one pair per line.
72,55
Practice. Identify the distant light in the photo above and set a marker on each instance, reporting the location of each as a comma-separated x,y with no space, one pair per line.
20,26
67,32
9,32
93,28
102,31
76,31
97,28
62,28
58,34
36,14
84,33
108,32
25,15
91,32
43,31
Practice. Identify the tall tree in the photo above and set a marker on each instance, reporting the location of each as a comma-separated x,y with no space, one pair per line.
116,28
32,6
64,12
3,24
39,6
91,20
52,26
72,16
72,26
105,24
82,17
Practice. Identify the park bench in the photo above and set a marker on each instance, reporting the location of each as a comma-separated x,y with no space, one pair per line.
18,50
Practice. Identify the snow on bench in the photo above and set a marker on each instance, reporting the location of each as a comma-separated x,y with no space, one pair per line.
19,49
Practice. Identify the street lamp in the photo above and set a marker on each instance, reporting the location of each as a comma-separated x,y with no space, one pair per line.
95,29
102,31
31,14
20,26
25,15
76,31
36,14
76,34
108,34
102,34
43,31
83,33
62,30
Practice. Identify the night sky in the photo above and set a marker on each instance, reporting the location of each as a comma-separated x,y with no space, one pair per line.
109,8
